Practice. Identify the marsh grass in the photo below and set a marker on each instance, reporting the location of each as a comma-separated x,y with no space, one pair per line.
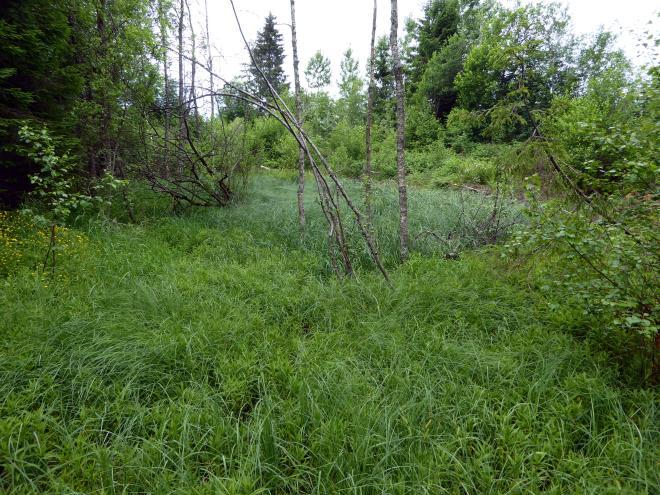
212,352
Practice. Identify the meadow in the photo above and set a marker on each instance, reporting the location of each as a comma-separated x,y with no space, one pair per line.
214,352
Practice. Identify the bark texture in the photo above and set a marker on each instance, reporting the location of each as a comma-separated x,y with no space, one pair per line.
182,126
370,117
400,133
301,152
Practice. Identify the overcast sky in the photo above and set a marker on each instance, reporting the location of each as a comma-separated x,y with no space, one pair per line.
334,25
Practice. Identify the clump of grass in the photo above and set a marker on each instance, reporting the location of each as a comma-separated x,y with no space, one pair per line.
212,353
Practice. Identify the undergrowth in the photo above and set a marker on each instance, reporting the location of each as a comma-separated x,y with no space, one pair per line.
212,352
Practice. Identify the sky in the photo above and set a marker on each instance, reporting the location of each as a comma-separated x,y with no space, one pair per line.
332,26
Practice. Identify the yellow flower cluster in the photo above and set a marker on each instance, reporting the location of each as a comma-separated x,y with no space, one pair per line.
23,244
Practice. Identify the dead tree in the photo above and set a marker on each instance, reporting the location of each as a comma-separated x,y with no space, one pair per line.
193,66
370,116
324,175
210,56
301,152
162,18
400,133
213,172
330,207
182,111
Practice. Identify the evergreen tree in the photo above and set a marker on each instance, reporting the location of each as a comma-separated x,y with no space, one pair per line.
444,37
268,52
38,81
524,58
318,72
384,80
352,97
440,22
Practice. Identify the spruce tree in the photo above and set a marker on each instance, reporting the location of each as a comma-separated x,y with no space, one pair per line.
384,80
268,52
352,98
39,82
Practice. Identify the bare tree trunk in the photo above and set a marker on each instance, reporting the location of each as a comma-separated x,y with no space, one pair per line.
210,57
193,66
182,127
301,152
166,103
400,134
370,117
103,144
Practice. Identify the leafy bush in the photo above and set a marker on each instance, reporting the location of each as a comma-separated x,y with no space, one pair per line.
346,149
56,194
422,128
610,134
384,152
272,145
461,130
428,158
605,266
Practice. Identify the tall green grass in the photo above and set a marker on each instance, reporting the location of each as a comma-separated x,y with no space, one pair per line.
213,352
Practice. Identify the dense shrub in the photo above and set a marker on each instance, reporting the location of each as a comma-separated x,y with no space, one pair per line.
610,134
272,145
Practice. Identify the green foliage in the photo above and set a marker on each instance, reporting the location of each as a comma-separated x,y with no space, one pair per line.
317,71
384,81
38,81
24,240
422,128
268,53
438,166
271,144
320,113
607,271
439,24
352,102
212,353
609,135
437,80
462,129
54,189
346,149
524,58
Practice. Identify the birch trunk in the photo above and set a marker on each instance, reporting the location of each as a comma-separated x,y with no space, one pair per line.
210,57
370,116
166,100
301,152
193,66
400,133
182,127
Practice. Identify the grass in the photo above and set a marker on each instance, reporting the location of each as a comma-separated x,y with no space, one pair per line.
212,352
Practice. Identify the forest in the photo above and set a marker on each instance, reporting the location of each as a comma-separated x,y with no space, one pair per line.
433,271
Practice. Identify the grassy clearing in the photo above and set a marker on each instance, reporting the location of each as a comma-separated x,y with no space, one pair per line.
213,353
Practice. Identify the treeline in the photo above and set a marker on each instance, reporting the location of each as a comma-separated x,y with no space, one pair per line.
107,76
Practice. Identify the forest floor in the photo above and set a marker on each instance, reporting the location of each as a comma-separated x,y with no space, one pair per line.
214,352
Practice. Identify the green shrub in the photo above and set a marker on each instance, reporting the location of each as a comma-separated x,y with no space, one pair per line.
272,144
461,130
422,128
609,135
346,149
384,152
428,158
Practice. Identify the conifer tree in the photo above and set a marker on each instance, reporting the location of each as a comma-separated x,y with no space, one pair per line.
383,80
268,52
352,102
318,72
